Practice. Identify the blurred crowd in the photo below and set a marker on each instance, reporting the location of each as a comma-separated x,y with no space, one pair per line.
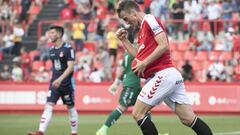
204,37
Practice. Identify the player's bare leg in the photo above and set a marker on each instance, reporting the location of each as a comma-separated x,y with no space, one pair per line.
112,118
188,118
140,114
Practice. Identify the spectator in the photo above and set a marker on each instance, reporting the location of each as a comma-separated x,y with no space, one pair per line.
226,14
84,8
5,73
228,44
192,14
17,73
215,71
214,13
228,71
237,71
177,11
6,13
112,44
155,7
205,39
86,70
187,71
111,5
193,42
25,4
34,10
78,35
25,62
100,32
8,43
107,65
18,33
43,48
96,76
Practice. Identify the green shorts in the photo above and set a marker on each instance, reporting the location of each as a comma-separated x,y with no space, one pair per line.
129,96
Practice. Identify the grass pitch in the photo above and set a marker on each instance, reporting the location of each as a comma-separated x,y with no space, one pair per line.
11,124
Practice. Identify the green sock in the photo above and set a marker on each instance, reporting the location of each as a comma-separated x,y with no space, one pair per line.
113,117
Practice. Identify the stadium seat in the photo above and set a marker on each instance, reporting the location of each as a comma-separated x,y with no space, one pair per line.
66,13
177,55
189,55
226,56
91,46
34,54
201,56
36,65
214,55
183,46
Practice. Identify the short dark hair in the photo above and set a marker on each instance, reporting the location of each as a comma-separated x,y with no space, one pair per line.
59,29
127,6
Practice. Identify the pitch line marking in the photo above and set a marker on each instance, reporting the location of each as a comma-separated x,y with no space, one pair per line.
228,133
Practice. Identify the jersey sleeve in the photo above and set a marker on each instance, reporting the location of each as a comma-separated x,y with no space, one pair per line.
70,54
155,27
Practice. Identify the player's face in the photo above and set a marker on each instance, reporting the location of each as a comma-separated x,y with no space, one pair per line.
130,18
53,35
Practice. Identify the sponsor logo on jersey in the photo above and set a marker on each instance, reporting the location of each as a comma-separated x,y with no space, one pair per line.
157,29
141,47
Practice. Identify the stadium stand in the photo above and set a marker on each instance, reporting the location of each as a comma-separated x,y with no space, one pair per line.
99,20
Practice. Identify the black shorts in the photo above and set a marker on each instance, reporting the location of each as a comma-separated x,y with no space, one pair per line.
113,52
66,93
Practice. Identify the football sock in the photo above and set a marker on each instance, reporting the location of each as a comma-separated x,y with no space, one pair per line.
46,118
200,127
73,120
113,117
147,126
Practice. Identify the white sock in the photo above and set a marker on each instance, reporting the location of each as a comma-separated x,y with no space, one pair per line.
46,118
73,120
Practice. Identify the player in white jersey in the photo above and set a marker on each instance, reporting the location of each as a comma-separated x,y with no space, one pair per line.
152,61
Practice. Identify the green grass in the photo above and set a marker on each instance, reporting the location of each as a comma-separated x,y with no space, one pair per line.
88,124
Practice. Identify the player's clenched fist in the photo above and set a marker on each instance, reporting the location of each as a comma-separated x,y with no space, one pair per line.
121,34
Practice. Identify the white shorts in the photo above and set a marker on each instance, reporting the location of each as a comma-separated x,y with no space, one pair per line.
167,85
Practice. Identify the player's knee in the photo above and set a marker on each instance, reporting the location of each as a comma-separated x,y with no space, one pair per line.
48,107
187,121
137,115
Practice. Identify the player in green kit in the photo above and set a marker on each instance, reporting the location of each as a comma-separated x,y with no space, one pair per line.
131,88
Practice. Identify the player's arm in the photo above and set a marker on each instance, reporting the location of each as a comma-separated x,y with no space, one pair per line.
67,72
119,75
122,36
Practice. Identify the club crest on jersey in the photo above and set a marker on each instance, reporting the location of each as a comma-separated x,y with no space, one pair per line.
142,46
61,54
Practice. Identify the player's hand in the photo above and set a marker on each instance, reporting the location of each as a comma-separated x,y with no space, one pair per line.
56,83
139,68
113,89
121,34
